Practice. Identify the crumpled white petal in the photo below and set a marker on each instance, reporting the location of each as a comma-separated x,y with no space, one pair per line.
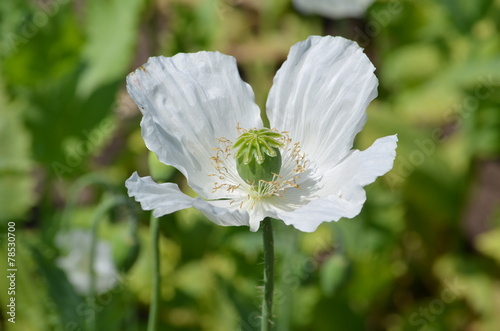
342,194
163,198
334,8
360,168
320,96
167,198
188,101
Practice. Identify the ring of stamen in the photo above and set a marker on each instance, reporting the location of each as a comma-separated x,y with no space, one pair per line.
295,164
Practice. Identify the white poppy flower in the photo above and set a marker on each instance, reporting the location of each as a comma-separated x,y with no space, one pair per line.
196,107
76,262
334,8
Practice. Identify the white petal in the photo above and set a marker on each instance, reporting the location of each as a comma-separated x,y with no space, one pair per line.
343,194
359,169
163,198
334,8
188,101
326,209
320,96
222,215
167,198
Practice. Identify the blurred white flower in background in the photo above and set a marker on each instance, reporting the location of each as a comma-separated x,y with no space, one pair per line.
334,8
75,262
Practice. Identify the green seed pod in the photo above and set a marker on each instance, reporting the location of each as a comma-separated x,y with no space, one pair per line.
253,172
258,157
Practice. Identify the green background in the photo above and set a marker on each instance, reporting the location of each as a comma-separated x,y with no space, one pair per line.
424,254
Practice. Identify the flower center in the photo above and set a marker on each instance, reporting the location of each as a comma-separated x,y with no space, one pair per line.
266,164
258,158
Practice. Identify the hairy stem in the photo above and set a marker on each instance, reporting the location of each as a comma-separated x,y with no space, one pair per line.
267,302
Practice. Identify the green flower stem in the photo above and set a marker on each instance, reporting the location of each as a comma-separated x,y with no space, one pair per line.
267,302
75,192
155,294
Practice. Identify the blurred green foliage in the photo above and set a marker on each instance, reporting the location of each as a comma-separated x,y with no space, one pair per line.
422,255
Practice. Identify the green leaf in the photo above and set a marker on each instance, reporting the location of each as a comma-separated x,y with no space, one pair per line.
34,306
465,13
110,46
333,273
67,302
489,244
16,184
56,114
47,53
